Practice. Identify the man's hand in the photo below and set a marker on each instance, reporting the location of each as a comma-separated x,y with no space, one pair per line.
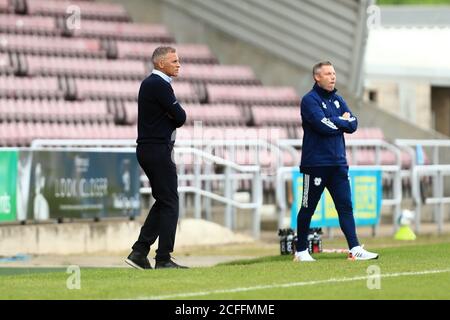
346,115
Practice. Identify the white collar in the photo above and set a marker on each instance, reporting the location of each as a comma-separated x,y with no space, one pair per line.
162,75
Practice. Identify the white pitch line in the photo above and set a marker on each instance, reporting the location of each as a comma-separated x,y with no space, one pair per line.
287,285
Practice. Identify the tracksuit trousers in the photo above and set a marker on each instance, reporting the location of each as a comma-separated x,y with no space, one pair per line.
336,180
157,163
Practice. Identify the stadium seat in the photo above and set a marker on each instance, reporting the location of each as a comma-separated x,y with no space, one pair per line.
5,64
51,45
250,95
54,111
6,6
218,74
125,31
33,25
279,115
89,10
222,115
38,87
85,67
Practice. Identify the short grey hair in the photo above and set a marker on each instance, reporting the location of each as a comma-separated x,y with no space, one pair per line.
319,65
161,52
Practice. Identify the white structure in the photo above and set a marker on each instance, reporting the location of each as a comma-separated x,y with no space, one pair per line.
407,70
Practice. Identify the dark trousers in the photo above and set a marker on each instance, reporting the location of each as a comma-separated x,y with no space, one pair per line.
157,163
336,180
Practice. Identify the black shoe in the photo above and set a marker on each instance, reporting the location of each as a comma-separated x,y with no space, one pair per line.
138,260
166,264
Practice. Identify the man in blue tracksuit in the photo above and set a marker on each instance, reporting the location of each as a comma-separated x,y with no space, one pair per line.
325,118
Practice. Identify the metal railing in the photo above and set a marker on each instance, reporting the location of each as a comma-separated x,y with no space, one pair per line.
419,169
438,199
201,160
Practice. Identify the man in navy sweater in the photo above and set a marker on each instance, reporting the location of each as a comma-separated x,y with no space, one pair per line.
159,114
325,117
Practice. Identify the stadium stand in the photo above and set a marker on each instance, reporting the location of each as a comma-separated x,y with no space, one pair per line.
60,82
58,46
6,6
33,25
90,10
189,53
84,68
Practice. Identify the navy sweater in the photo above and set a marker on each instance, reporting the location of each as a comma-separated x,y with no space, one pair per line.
324,127
159,113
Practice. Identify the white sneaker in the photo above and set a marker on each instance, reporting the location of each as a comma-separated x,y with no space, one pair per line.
359,253
303,256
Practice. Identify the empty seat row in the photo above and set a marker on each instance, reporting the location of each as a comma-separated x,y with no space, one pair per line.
88,9
137,69
55,111
89,47
366,133
251,95
279,115
201,114
51,45
23,133
124,31
369,157
6,6
5,64
10,23
215,115
215,73
37,87
84,67
51,26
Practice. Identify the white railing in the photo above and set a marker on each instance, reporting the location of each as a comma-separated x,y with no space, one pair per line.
436,169
233,173
201,177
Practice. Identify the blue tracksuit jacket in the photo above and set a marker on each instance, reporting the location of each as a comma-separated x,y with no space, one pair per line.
323,126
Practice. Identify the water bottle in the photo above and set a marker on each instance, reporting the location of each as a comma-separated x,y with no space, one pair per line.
282,235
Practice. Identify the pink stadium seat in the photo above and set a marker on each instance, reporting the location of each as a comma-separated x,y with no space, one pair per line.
103,89
125,31
374,133
387,158
55,111
87,67
185,92
131,112
5,64
38,87
365,157
90,10
279,115
6,6
26,24
226,114
248,95
50,45
218,74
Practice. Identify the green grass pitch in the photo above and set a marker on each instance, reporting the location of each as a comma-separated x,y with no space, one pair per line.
411,271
